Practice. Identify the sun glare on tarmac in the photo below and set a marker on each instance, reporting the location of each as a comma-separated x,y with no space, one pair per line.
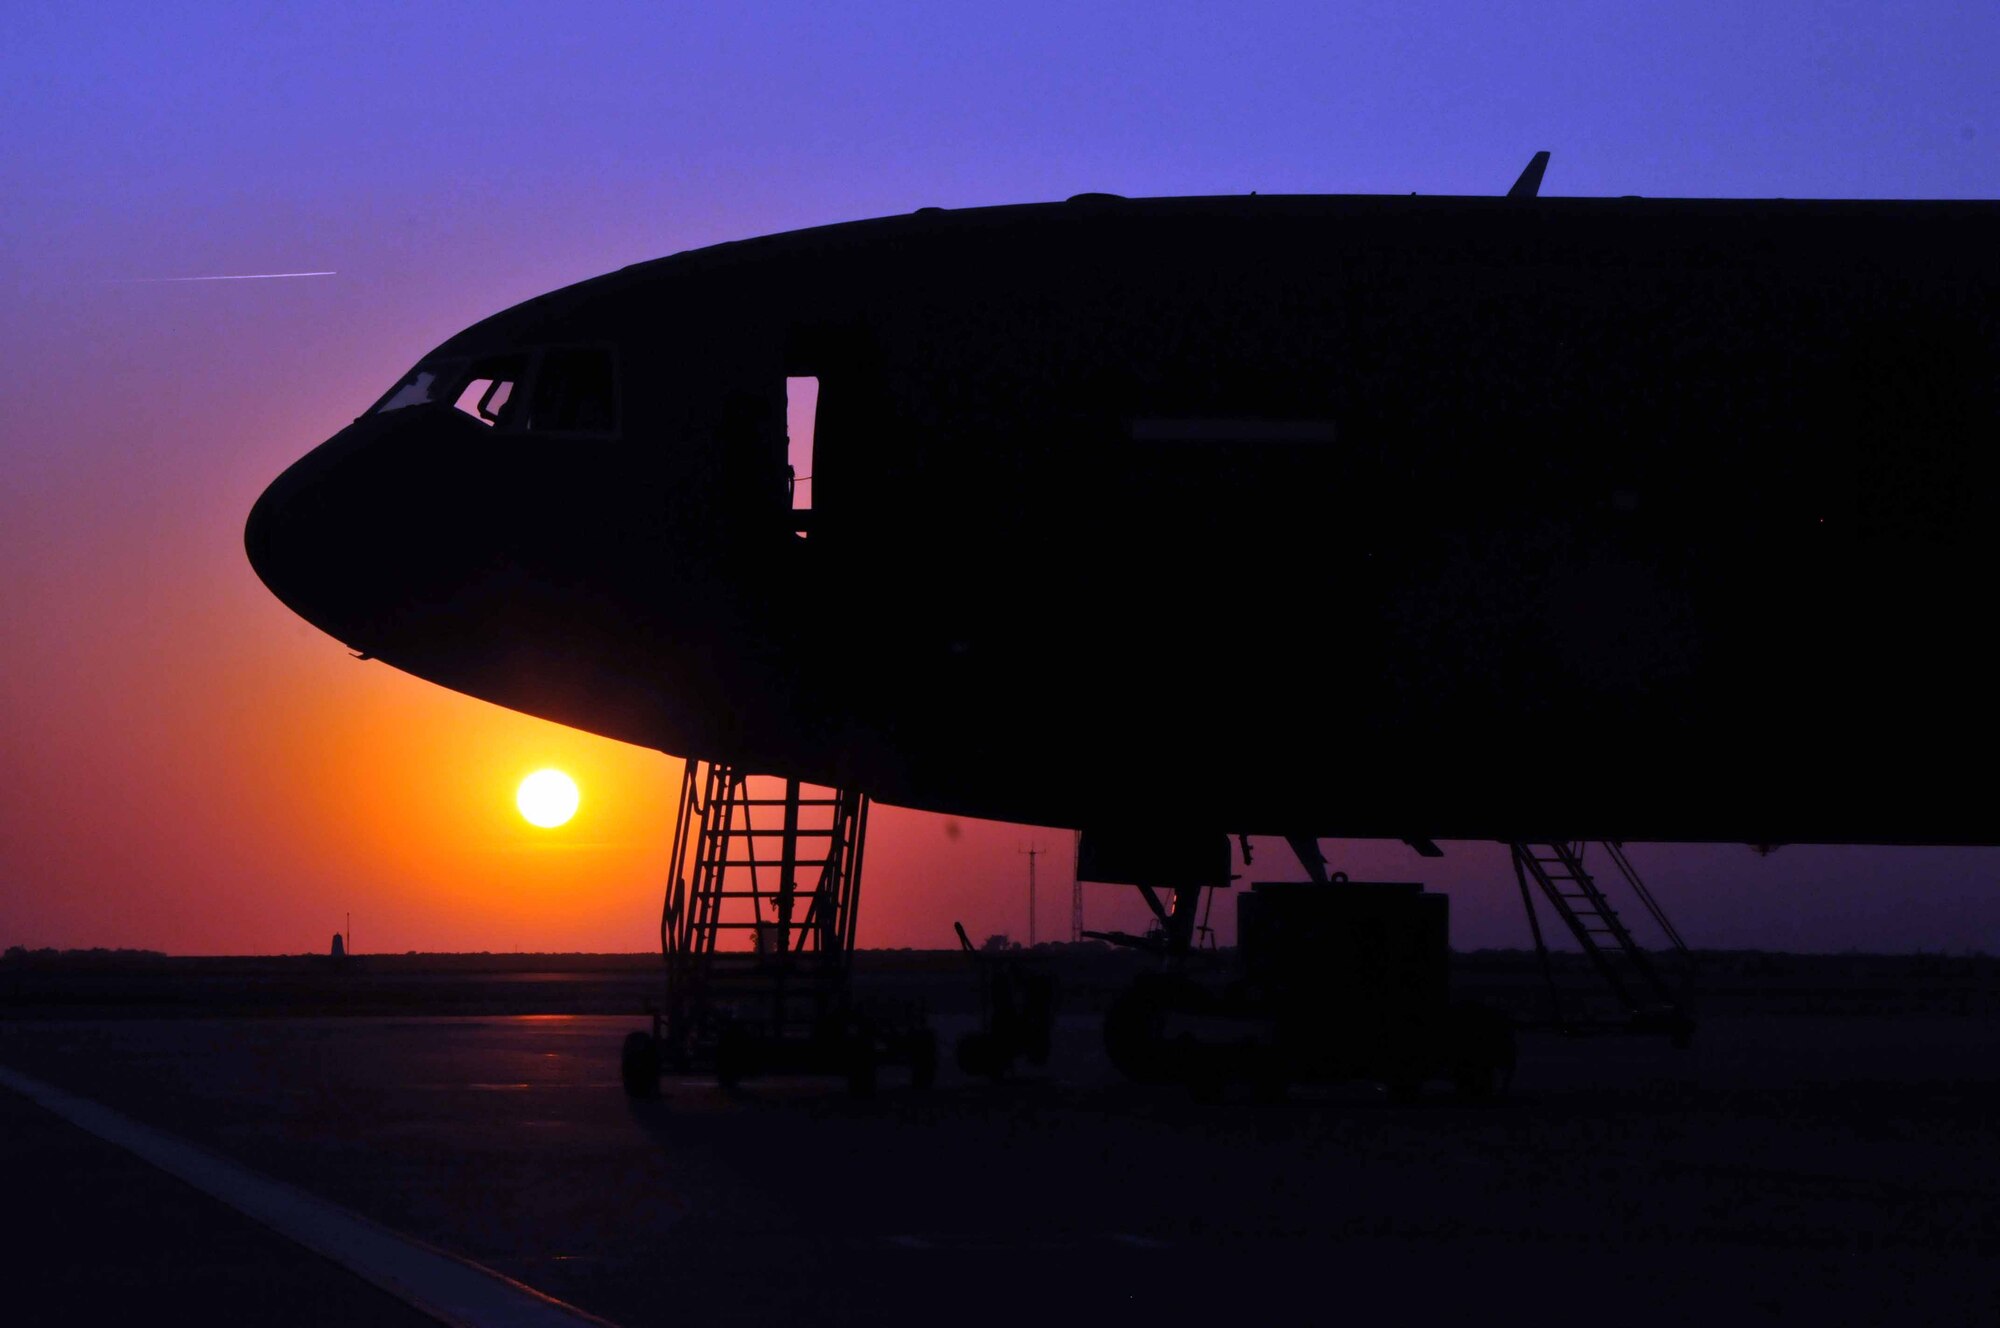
547,798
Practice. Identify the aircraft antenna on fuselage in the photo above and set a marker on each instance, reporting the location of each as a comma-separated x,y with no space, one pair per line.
1530,182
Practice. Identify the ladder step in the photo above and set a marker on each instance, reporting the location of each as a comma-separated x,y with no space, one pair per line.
774,864
724,883
770,894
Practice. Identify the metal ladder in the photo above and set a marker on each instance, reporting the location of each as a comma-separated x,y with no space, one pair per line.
1636,982
758,922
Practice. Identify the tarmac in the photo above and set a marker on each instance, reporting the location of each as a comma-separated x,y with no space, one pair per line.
1790,1168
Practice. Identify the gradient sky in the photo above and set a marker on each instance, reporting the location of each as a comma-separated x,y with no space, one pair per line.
191,768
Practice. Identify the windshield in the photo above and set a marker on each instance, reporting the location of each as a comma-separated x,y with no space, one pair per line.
574,390
426,383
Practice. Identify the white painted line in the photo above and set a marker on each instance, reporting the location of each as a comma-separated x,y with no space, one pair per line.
442,1285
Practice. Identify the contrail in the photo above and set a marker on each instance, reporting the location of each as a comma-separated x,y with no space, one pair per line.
230,276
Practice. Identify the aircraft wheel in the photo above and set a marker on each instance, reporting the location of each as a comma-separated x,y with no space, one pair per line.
979,1056
639,1065
1132,1036
1135,1028
923,1059
861,1070
1269,1083
1405,1090
732,1059
1206,1077
1476,1083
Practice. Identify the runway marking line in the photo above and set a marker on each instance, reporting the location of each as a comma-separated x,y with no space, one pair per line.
451,1289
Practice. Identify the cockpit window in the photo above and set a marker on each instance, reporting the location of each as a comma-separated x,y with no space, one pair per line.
563,389
575,392
490,390
425,384
484,398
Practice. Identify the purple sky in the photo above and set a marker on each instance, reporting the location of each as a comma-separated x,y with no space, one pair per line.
162,713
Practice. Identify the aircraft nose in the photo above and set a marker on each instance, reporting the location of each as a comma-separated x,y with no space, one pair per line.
327,535
265,529
257,536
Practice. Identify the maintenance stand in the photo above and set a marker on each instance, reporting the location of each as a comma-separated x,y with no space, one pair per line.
757,934
1642,998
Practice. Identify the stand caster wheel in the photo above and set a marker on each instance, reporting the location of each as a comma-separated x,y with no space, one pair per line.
639,1065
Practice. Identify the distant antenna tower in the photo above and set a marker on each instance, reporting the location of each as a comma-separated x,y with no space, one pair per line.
1033,851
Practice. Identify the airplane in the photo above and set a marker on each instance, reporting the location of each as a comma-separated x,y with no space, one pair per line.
1422,518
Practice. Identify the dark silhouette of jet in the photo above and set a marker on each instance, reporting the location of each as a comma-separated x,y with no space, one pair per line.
1446,517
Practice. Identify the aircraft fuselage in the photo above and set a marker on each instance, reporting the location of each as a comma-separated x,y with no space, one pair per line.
1439,517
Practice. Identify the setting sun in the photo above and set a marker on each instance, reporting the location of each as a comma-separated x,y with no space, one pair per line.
547,798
